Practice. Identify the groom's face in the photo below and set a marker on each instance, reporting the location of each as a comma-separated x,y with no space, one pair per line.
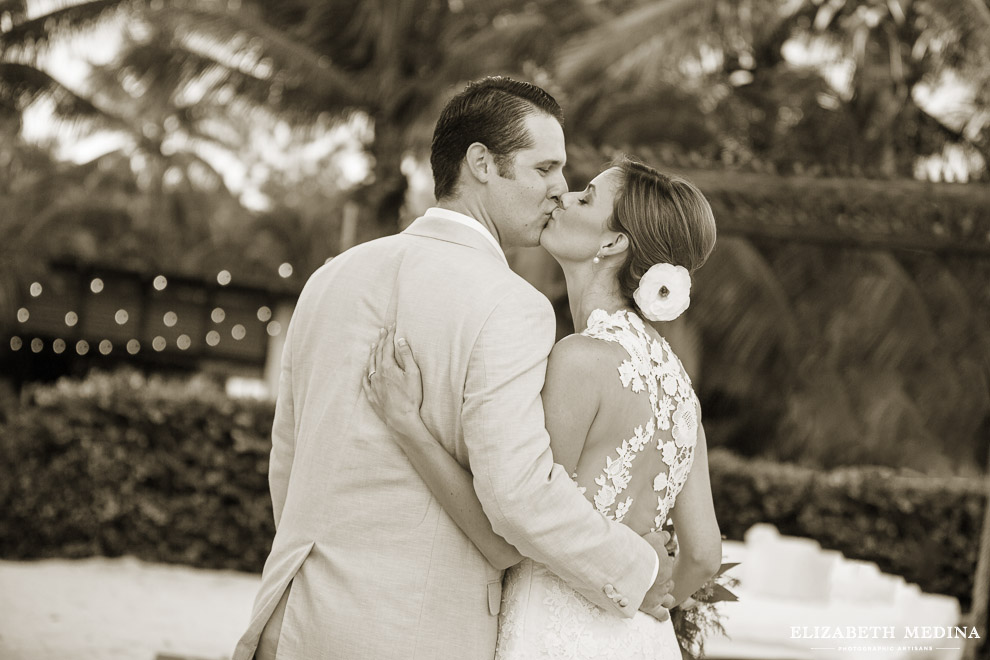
523,200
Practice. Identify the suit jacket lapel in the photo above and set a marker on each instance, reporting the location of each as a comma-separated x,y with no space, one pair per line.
451,232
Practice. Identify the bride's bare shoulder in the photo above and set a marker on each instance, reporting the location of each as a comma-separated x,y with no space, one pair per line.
580,354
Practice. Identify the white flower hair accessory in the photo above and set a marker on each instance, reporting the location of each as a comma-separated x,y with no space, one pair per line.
664,292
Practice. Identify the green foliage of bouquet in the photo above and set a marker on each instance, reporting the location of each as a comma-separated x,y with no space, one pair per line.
697,617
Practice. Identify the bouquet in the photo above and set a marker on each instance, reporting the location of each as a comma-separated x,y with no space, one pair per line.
697,617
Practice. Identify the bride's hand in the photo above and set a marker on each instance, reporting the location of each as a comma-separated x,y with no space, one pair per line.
393,383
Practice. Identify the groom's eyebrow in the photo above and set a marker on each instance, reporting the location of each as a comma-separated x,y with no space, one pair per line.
550,163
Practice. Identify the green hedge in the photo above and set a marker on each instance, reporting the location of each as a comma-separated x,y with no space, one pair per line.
169,471
924,528
177,472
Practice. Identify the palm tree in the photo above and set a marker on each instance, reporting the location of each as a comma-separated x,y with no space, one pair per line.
393,63
727,59
400,61
812,353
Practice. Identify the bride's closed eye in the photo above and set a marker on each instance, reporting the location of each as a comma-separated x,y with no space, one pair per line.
584,199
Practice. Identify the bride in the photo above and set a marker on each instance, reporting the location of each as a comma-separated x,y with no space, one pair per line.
620,409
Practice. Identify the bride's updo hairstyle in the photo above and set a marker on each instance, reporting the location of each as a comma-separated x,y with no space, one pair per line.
666,218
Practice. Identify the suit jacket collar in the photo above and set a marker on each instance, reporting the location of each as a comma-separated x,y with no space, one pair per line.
444,229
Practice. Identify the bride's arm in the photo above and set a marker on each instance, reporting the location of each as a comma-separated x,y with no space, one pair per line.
698,537
396,393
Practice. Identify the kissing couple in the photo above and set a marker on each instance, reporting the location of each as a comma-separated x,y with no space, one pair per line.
447,482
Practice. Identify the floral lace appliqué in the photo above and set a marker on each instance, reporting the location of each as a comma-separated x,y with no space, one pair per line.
651,367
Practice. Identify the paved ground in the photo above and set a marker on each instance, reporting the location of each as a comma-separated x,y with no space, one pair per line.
126,609
120,609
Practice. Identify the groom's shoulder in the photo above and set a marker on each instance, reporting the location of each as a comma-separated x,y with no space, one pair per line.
517,291
359,256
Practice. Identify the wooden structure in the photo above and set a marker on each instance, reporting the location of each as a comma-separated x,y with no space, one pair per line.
85,314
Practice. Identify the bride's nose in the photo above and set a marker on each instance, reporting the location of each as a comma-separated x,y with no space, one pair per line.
567,199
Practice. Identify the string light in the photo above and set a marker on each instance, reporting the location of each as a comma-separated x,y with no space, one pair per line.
170,319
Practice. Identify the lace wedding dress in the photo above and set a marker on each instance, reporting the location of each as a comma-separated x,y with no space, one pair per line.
544,618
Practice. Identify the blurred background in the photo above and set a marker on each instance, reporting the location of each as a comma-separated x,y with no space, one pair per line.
171,172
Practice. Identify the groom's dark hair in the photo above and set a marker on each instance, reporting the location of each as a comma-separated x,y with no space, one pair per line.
490,111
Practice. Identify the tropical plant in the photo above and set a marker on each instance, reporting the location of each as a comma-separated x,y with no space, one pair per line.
812,352
829,355
837,87
170,194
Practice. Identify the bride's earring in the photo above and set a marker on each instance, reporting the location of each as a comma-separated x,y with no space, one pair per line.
598,257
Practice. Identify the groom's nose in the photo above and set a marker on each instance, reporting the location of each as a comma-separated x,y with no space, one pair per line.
557,188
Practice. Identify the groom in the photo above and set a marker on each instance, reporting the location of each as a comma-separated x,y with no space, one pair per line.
365,563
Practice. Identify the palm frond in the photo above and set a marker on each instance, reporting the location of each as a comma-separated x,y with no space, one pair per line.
22,86
743,308
514,41
667,32
600,47
881,319
29,37
239,41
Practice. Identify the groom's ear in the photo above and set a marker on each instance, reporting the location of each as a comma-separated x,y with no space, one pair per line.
479,161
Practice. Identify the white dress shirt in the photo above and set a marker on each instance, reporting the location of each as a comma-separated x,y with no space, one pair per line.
467,221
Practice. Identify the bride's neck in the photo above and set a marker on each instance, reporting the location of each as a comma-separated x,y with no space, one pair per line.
591,287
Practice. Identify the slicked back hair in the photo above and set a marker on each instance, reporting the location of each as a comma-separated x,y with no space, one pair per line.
490,111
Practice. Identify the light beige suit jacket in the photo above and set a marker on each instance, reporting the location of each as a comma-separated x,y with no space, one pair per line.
377,568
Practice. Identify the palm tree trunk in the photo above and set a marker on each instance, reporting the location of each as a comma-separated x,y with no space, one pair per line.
981,585
381,200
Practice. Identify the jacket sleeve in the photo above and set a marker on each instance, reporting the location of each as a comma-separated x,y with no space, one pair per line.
283,433
531,501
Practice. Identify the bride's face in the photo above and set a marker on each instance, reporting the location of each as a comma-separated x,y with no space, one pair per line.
576,231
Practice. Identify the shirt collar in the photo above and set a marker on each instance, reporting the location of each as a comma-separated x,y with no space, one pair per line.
468,221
